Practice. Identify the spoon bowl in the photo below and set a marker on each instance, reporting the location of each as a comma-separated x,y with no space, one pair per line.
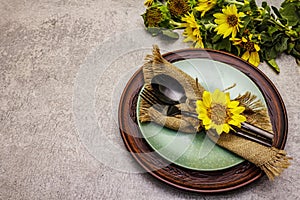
169,90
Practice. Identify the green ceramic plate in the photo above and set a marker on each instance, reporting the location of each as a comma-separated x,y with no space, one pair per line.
196,151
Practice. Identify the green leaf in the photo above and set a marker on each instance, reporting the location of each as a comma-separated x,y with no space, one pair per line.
290,47
276,11
238,50
277,37
165,12
208,45
216,38
282,45
272,29
223,45
265,38
170,34
154,31
265,6
290,13
246,20
273,64
295,53
297,46
253,4
290,2
193,3
270,53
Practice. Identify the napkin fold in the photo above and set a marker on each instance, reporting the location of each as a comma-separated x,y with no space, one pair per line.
270,159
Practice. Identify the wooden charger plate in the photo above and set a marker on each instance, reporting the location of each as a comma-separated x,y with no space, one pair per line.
195,180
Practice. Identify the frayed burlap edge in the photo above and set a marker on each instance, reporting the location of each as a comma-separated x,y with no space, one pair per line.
255,111
275,166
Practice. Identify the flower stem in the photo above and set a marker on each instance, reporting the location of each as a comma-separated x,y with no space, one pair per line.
178,24
277,23
273,21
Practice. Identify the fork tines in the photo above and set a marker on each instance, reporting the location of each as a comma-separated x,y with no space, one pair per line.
151,99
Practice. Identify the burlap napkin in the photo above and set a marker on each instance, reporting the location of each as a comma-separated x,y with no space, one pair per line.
270,159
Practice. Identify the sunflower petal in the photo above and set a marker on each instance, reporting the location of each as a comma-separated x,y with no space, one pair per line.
199,103
219,97
201,111
257,48
202,116
206,99
254,58
220,16
237,110
220,21
233,9
206,121
239,118
228,32
246,55
219,129
226,128
234,31
222,28
241,14
233,122
207,127
233,104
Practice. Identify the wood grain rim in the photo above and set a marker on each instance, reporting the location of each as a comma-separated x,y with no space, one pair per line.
193,180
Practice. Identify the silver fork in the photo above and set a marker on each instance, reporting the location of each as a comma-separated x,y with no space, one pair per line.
166,109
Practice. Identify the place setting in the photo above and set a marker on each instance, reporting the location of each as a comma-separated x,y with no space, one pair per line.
204,121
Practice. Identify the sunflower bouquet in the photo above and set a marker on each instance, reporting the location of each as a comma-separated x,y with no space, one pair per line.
240,27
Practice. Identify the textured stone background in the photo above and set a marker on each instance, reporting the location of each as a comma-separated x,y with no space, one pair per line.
43,43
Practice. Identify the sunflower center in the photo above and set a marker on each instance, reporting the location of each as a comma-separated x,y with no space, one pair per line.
232,20
218,114
178,7
153,17
249,46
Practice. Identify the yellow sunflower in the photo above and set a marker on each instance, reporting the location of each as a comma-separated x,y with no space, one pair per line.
229,21
192,30
218,112
251,54
205,5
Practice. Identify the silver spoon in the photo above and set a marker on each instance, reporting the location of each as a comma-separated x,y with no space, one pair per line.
168,89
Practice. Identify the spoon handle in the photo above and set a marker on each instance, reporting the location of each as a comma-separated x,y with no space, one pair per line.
253,138
255,129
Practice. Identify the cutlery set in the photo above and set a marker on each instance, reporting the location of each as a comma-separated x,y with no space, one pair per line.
167,93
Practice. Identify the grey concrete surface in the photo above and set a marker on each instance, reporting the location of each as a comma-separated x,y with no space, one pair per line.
46,48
